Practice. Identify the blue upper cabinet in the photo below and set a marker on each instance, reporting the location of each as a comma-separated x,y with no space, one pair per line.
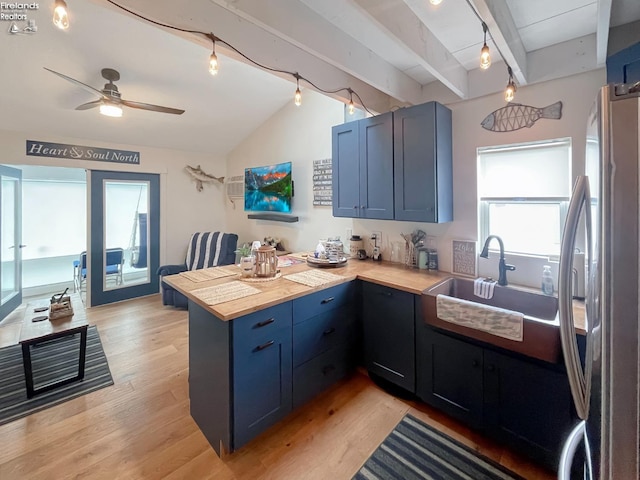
423,178
395,166
624,66
363,168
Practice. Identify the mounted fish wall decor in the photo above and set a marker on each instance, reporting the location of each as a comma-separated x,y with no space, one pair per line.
200,177
516,116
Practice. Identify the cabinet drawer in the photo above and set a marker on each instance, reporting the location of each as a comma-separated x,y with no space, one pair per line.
318,374
260,326
322,301
323,332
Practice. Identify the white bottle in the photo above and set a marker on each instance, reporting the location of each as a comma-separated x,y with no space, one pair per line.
547,281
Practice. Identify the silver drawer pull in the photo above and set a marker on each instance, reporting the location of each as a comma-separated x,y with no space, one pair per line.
264,323
329,331
264,345
327,300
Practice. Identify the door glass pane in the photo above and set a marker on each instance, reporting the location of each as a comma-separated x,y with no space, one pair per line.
9,268
126,255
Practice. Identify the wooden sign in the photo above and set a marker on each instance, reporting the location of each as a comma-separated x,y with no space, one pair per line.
81,152
464,257
322,182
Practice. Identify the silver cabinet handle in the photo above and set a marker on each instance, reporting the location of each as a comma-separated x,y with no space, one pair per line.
579,380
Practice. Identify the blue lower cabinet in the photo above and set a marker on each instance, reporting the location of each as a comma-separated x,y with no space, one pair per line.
319,373
389,334
262,371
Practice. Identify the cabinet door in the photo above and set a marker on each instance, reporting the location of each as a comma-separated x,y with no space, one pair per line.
262,371
451,377
376,167
423,178
527,406
388,329
346,170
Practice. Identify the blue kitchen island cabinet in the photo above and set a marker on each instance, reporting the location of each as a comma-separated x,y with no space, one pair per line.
363,168
248,373
239,373
389,336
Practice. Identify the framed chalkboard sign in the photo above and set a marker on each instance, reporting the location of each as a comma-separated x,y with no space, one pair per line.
464,257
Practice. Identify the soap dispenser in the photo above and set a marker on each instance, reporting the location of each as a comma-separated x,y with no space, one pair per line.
547,281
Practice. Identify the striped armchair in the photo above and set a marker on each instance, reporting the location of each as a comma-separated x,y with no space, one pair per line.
206,249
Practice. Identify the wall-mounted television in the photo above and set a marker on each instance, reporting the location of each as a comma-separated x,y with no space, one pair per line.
268,189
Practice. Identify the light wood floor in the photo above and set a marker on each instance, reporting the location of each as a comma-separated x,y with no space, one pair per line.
140,427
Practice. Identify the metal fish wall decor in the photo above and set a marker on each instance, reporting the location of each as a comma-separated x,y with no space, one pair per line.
200,177
516,116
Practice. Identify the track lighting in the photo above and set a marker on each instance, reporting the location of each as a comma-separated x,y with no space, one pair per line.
60,15
510,91
213,58
297,98
110,109
485,57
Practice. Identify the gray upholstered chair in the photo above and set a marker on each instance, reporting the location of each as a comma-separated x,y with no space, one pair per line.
206,249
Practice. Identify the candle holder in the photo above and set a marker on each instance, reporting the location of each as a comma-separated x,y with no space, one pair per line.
266,261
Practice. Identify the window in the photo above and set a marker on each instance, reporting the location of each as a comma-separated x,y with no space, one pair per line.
523,194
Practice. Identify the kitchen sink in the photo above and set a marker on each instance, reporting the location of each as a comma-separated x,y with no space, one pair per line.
541,327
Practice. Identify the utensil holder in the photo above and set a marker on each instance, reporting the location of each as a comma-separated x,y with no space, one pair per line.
60,309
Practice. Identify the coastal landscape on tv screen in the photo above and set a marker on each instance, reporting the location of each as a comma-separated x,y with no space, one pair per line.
268,189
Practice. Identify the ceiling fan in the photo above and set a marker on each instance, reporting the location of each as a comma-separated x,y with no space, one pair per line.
110,101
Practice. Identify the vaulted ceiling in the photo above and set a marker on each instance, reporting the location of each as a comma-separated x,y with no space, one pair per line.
389,51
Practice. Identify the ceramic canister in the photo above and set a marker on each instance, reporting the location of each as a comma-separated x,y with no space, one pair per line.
355,243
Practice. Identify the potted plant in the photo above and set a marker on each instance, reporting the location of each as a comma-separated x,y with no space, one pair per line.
247,261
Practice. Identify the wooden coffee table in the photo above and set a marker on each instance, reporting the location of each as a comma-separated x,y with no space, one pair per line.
36,332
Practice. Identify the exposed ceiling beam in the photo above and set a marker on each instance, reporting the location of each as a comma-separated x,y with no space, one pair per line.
254,41
602,30
319,38
504,32
402,24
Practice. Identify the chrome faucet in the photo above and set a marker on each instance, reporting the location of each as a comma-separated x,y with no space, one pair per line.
502,265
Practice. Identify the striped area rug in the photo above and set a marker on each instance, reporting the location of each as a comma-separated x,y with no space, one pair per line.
414,450
51,360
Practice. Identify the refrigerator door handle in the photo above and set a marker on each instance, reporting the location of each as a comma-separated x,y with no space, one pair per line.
578,380
569,450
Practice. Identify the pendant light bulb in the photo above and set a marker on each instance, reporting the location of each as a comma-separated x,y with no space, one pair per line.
510,91
60,15
351,108
297,98
213,58
485,56
435,2
213,64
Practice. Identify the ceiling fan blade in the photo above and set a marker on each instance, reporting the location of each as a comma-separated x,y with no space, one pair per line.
87,106
153,108
86,87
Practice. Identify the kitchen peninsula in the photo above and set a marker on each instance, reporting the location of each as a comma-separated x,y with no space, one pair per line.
254,359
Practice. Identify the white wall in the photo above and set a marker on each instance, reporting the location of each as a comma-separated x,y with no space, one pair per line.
298,135
303,134
183,209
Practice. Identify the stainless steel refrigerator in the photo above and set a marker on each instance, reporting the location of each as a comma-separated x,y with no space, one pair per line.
605,386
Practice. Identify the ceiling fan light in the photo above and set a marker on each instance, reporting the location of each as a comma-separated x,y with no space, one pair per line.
111,109
435,2
485,57
60,15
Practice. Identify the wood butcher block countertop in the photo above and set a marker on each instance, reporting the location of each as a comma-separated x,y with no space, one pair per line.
281,290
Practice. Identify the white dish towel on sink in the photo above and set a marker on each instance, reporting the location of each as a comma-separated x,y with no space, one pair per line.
496,321
483,287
